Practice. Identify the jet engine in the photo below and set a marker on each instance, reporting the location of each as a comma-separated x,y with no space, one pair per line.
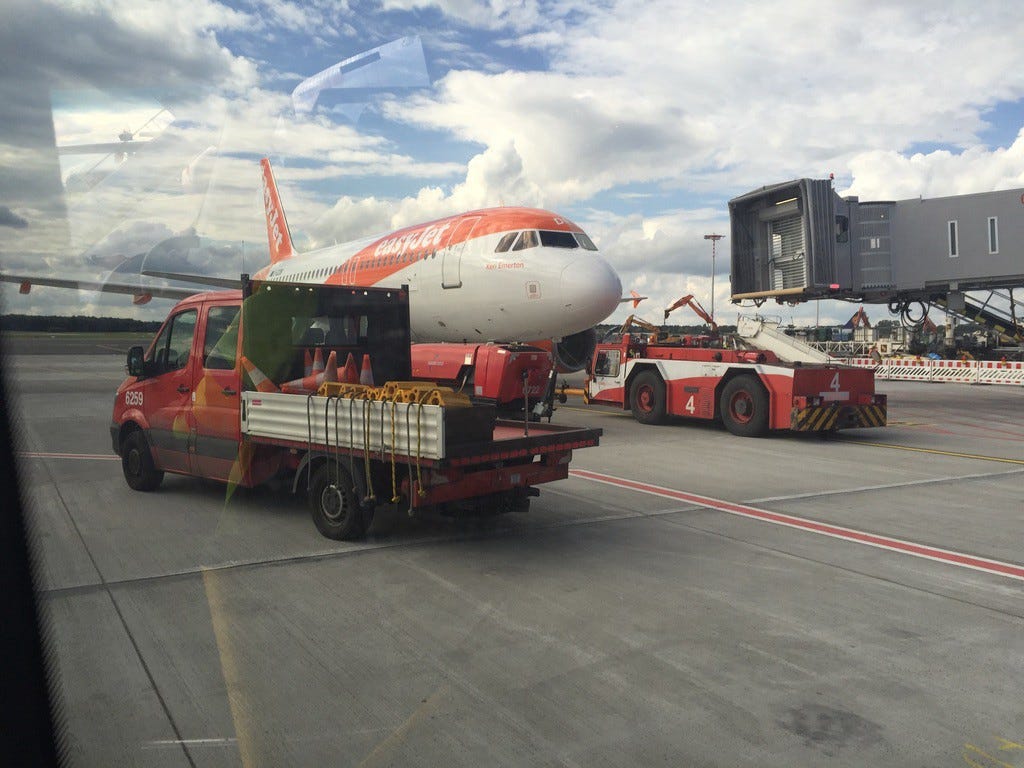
572,353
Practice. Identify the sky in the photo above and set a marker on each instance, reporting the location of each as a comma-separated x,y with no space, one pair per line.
637,119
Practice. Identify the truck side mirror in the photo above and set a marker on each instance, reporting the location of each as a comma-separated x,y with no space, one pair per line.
135,361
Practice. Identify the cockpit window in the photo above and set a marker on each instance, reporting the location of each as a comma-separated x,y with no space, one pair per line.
527,239
505,242
558,239
585,241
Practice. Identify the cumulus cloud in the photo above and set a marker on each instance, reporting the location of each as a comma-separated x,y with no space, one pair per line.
891,175
9,218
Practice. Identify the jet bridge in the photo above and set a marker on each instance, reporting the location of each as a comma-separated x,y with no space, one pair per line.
799,241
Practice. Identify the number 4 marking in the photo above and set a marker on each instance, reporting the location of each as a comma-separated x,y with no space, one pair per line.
834,386
690,406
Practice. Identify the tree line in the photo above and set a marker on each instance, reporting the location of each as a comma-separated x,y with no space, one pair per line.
77,323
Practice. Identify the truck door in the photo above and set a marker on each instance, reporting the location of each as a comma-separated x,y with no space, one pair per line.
451,256
168,393
215,407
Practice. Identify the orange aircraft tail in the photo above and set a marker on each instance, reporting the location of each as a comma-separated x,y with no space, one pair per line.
278,234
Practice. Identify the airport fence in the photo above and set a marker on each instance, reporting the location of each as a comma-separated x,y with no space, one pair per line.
957,371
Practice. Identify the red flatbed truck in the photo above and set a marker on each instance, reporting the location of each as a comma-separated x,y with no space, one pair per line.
752,391
201,401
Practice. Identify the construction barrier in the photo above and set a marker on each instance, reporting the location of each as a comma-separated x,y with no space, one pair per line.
957,371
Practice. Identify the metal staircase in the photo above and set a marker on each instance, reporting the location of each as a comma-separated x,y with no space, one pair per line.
1000,311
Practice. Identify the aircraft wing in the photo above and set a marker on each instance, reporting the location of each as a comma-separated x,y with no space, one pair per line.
216,282
142,293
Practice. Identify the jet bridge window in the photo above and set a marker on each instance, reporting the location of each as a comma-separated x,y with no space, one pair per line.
557,239
527,239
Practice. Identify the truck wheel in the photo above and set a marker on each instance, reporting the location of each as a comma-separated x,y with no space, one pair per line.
647,398
333,503
137,464
744,407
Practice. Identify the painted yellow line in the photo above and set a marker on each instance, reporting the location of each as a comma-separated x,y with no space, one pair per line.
954,454
379,755
596,412
229,671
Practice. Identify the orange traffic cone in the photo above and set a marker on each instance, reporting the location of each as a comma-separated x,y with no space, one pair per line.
366,374
312,383
259,379
318,361
307,367
331,369
351,373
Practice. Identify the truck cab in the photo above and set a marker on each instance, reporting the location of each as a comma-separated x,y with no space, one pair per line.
180,400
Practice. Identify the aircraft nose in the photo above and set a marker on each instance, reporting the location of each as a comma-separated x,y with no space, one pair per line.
591,289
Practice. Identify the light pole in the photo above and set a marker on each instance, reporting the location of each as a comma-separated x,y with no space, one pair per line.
714,241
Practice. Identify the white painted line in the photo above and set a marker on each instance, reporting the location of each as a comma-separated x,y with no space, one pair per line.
80,456
997,567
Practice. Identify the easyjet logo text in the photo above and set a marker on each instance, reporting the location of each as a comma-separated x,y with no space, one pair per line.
420,239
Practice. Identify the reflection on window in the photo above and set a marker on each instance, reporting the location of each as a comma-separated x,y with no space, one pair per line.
527,239
558,239
221,340
506,242
174,343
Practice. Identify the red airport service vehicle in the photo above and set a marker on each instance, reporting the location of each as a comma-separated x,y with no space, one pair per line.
237,387
751,390
516,378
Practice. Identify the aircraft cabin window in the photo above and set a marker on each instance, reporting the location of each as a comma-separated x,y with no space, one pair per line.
527,239
585,242
556,239
505,243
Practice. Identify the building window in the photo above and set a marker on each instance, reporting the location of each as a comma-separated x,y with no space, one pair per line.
953,245
993,234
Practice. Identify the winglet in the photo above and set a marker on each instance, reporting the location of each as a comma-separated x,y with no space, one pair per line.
278,235
637,298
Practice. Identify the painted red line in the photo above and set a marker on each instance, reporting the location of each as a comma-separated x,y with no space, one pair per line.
45,455
960,559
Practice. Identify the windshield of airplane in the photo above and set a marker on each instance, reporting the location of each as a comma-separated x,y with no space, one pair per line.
547,238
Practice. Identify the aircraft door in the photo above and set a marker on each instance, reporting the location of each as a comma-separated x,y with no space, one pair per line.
451,256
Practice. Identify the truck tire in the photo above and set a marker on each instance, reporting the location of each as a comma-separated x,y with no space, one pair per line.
744,406
137,464
333,503
647,398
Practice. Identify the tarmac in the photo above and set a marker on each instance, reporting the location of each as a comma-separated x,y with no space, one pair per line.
685,598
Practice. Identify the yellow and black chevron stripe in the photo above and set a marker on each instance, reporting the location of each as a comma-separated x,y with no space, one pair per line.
821,418
814,418
871,415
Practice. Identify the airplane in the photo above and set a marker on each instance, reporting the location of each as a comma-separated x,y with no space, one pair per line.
497,274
